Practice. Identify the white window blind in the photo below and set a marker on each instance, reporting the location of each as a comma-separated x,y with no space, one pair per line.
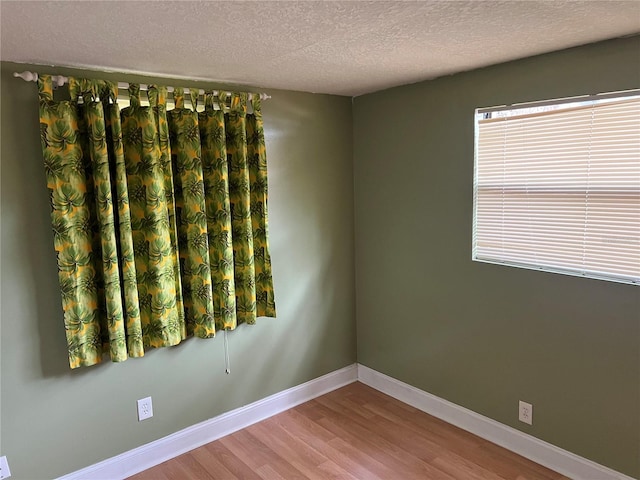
559,190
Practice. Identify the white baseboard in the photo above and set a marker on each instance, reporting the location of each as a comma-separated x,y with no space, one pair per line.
550,456
154,453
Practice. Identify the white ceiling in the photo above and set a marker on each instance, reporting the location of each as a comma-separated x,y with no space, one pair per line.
339,47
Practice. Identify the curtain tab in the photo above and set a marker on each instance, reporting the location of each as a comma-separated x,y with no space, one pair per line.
157,95
193,93
134,95
178,97
111,90
239,103
100,90
83,88
221,99
75,89
45,88
256,103
152,94
162,96
208,101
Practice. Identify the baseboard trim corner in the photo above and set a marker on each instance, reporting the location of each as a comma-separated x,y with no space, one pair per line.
539,451
152,454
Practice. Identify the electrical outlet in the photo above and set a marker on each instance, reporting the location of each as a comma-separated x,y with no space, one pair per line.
145,409
525,412
4,468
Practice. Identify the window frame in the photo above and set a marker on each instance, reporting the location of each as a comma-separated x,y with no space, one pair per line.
564,103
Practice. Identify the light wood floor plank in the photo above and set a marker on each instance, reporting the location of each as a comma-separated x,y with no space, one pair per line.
313,435
213,464
228,460
379,445
353,433
260,456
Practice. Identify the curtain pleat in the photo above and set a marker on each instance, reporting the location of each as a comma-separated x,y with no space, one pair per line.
121,208
191,218
159,218
215,171
240,199
257,161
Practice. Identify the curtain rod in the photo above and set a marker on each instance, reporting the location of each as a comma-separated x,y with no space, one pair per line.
59,80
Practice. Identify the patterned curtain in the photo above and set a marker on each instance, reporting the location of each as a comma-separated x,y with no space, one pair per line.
159,217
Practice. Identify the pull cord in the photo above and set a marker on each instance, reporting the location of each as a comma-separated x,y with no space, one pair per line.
227,369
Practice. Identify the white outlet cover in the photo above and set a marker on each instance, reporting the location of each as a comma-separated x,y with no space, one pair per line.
525,412
4,468
145,408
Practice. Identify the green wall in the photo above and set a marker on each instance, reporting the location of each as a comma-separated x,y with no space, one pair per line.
53,420
485,336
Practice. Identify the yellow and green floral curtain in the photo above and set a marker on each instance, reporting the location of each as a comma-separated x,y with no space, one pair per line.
159,217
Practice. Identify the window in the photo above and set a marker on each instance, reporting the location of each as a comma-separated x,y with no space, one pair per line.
557,186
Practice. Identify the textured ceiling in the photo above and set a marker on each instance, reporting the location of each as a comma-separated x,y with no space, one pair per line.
339,47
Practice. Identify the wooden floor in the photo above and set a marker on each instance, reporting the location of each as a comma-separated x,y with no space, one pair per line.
351,433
